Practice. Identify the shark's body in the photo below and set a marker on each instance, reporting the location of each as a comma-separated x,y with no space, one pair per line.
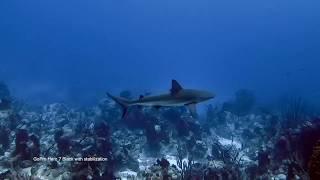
177,97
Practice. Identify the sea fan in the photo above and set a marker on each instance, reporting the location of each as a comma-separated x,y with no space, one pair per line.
314,164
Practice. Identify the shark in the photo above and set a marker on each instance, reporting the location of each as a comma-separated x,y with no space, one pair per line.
178,96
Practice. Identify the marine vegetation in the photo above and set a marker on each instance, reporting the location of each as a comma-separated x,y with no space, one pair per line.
232,141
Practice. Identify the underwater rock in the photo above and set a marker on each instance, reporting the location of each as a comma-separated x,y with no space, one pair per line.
35,147
228,142
62,122
185,126
248,134
182,127
133,141
5,97
53,165
263,161
314,164
212,117
197,149
160,170
212,174
102,129
85,173
26,164
4,173
172,114
88,150
195,127
58,133
4,137
63,143
157,128
55,109
137,119
22,138
252,171
86,170
215,150
242,104
281,148
280,177
308,137
153,138
163,163
56,115
13,120
124,158
249,146
108,112
104,147
127,174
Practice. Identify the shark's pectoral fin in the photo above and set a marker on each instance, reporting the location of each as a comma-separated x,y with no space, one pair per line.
176,87
193,110
124,113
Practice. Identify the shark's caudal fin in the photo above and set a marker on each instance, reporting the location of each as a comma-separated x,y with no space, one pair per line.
124,103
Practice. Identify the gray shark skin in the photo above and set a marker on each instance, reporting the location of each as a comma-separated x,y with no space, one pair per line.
178,96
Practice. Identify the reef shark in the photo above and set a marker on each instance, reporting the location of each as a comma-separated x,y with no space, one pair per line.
178,96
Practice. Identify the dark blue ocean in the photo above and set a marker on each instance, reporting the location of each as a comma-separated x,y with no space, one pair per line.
79,81
75,51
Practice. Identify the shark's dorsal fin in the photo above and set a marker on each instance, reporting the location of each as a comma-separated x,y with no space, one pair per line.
176,87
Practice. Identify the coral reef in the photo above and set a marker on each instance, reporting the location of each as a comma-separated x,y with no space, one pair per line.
231,142
314,164
242,104
4,91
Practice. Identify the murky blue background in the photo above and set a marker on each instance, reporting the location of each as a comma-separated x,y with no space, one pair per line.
76,50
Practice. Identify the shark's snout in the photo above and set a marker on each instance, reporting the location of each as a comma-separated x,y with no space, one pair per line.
210,95
205,95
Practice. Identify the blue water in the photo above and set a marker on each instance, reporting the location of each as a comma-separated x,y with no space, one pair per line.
74,51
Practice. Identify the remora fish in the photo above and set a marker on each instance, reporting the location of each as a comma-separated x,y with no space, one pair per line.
178,96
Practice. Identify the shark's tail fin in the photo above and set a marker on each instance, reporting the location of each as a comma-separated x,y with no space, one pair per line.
124,103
